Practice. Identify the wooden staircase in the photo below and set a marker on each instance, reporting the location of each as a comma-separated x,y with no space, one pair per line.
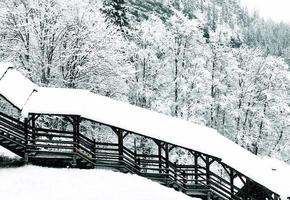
55,148
12,135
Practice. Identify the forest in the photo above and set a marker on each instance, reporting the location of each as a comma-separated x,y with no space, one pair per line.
210,62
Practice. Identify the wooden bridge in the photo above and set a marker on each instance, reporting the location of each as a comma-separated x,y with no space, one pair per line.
61,140
58,148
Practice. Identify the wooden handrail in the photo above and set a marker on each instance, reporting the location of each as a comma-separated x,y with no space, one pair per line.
53,131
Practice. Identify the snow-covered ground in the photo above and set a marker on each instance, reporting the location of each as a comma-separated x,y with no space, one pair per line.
40,183
7,153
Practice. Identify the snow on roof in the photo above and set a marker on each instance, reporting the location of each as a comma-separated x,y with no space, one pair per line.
173,130
16,88
135,119
34,183
56,101
279,172
4,67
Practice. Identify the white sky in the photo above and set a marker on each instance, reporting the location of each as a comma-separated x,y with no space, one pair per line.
278,10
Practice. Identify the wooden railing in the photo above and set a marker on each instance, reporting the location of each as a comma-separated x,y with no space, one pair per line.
12,132
194,179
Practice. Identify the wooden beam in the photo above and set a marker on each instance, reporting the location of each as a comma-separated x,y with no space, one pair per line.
76,132
166,161
241,178
33,127
36,116
207,166
94,148
184,181
196,155
232,181
160,158
166,155
226,169
26,159
120,144
126,133
69,119
204,159
171,148
120,137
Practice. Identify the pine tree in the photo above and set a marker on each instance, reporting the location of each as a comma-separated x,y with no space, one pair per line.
115,12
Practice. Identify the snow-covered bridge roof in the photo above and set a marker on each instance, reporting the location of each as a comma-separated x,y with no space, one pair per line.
30,98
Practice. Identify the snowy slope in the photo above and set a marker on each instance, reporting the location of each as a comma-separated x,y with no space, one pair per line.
35,183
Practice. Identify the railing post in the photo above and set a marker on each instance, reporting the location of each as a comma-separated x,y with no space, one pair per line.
167,162
195,168
33,127
175,172
160,158
184,181
76,131
119,134
207,171
94,149
120,144
247,189
26,140
232,181
137,164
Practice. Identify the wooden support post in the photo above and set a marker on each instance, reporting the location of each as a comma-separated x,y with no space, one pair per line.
232,181
33,127
247,189
195,168
175,172
120,137
120,144
166,155
160,158
136,159
26,140
94,149
166,149
184,181
207,170
208,196
76,132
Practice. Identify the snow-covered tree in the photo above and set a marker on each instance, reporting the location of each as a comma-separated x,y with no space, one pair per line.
115,12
